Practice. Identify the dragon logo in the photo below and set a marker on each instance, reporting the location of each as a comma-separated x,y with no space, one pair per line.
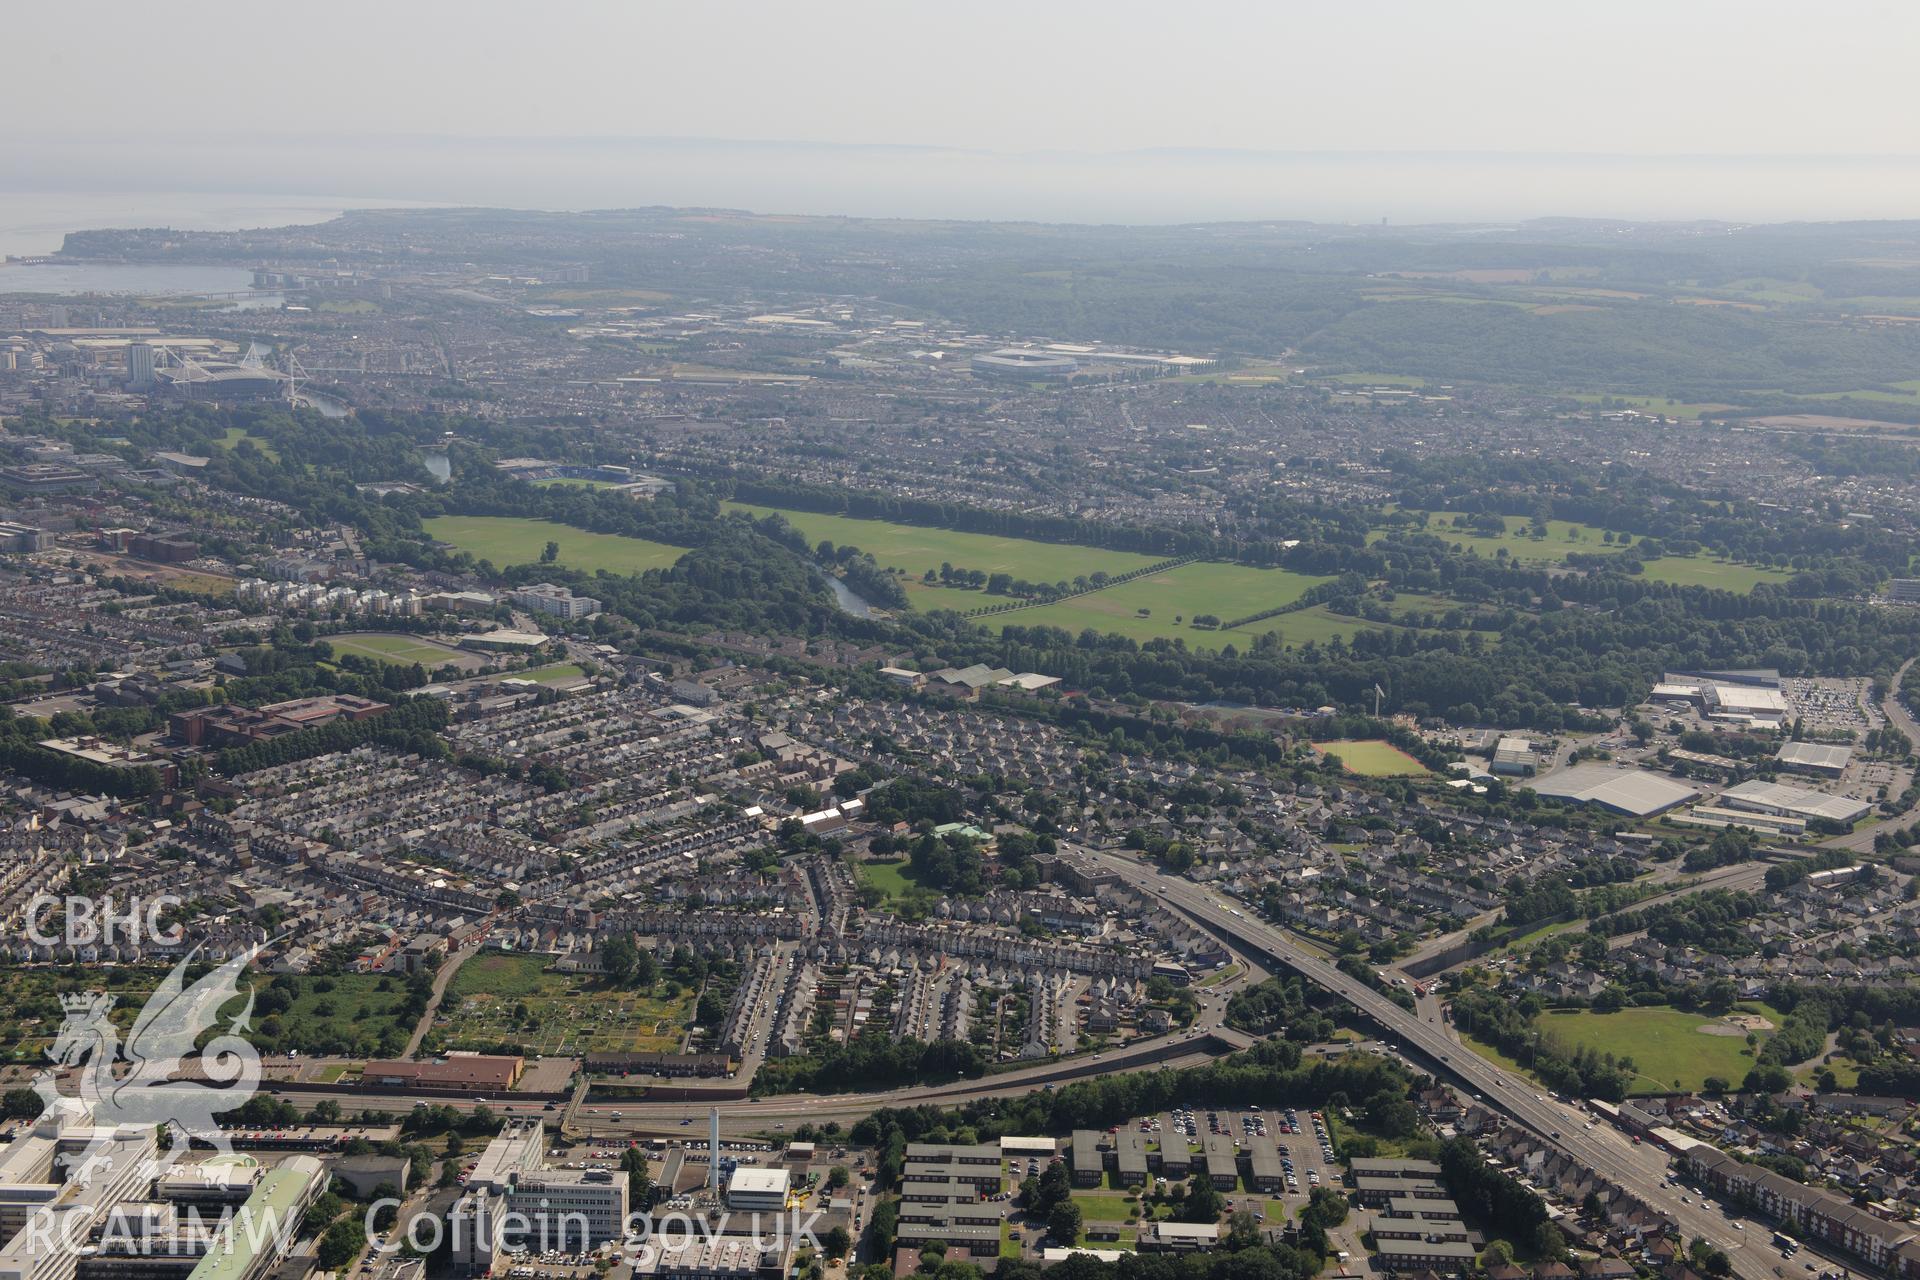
149,1080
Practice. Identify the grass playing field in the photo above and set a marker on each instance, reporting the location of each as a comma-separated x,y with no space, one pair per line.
1668,1047
509,540
391,646
1374,758
512,999
550,675
916,550
1171,600
1699,571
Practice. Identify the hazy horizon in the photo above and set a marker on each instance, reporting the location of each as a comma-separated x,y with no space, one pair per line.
1488,110
127,185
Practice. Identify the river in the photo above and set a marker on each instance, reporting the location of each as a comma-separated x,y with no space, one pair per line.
846,597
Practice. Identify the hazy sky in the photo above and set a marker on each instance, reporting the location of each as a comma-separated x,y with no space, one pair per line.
1744,78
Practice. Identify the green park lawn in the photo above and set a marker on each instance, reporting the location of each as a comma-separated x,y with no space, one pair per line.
1105,1206
234,435
1374,758
1564,536
892,876
1172,599
915,549
1702,571
510,540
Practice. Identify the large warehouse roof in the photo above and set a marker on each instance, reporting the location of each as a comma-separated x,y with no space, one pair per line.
1814,755
1776,797
1630,791
1745,700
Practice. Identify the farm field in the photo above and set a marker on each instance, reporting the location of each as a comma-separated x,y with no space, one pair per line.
399,647
1374,758
511,999
510,540
1666,1045
1172,599
916,550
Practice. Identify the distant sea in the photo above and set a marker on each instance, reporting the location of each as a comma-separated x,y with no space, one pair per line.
44,183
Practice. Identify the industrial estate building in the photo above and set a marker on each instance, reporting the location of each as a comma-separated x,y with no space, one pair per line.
1794,802
1825,759
1633,792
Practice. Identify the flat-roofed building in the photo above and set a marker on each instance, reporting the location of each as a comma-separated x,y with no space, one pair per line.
983,1178
974,1214
1221,1159
949,1153
1514,757
255,1240
1386,1167
1375,1190
1827,759
979,1238
1178,1237
1430,1210
1088,1163
753,1190
940,1191
1758,707
1264,1170
1793,802
700,1257
1130,1158
1633,792
573,1209
1444,1256
1176,1159
457,1073
1386,1227
515,1150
